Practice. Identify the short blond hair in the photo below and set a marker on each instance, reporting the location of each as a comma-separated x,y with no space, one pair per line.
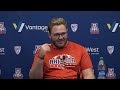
56,21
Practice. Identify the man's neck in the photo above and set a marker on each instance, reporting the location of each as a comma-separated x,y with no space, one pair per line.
63,47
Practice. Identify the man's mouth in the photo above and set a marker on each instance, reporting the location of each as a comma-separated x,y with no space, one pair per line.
60,42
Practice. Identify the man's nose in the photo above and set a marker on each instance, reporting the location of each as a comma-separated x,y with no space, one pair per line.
60,37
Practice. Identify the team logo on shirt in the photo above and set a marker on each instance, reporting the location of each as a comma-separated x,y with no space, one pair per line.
62,61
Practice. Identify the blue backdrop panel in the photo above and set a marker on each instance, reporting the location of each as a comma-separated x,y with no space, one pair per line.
27,29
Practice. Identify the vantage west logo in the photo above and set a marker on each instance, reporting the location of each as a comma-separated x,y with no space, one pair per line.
92,50
21,25
113,27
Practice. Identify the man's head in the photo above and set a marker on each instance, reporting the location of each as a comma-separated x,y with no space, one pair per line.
58,32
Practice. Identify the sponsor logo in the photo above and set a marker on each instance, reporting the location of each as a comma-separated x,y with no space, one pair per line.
92,51
113,27
101,65
22,25
101,75
2,51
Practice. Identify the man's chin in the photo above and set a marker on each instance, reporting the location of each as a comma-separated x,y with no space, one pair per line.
60,45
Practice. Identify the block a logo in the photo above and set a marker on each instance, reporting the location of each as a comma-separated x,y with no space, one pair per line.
18,74
110,74
2,28
94,28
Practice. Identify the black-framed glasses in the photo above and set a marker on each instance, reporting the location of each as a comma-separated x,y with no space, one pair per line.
57,35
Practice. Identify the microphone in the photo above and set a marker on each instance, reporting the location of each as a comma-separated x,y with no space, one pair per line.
63,59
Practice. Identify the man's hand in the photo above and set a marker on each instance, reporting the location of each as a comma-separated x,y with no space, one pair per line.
43,49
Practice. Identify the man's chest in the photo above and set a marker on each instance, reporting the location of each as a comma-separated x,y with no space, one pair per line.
62,59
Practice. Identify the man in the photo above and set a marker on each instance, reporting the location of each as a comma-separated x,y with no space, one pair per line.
62,59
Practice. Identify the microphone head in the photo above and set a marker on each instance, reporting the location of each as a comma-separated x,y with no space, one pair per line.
63,57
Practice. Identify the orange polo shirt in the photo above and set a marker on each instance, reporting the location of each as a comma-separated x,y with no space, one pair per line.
64,63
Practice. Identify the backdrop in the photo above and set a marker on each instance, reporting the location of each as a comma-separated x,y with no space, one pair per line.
21,32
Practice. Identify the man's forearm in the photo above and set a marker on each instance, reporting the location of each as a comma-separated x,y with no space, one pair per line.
37,71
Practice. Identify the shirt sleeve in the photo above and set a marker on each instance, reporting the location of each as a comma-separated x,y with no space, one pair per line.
36,57
85,60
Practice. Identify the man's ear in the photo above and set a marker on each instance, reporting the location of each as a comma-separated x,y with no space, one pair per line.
49,35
